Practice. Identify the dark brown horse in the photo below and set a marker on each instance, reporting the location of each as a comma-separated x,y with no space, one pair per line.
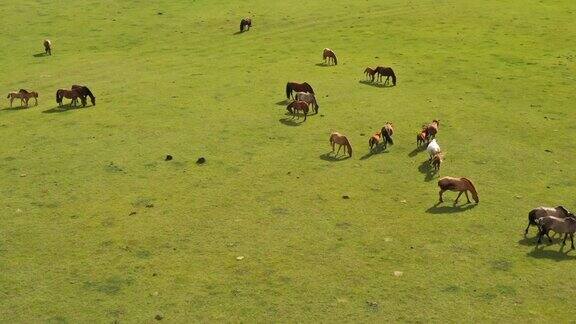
48,47
330,55
70,94
245,23
83,91
298,105
369,72
387,72
297,87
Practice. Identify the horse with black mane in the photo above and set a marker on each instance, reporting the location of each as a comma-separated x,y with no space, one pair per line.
387,72
83,91
297,87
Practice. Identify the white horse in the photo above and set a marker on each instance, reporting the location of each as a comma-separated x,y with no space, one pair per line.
309,98
433,149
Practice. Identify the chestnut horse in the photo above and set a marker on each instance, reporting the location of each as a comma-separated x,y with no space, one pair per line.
428,132
70,94
297,87
298,105
387,72
83,91
330,55
24,96
245,23
341,140
368,72
375,140
47,47
462,185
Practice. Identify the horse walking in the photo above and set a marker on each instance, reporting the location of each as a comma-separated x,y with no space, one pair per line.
69,94
387,72
83,91
539,212
329,55
369,73
387,131
309,98
341,140
437,161
462,185
298,105
47,47
433,149
566,226
374,140
245,24
297,87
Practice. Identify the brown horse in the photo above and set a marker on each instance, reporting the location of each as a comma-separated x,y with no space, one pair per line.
387,72
245,23
24,96
297,87
330,55
70,94
369,73
83,91
298,105
47,47
421,138
431,130
341,140
374,140
437,160
387,131
462,185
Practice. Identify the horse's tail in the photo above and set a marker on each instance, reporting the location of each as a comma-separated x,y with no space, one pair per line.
473,189
288,90
393,75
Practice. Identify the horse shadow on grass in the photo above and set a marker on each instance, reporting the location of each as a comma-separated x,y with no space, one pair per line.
60,109
282,103
333,158
428,170
556,255
15,108
43,54
416,151
379,149
290,121
375,84
437,209
323,64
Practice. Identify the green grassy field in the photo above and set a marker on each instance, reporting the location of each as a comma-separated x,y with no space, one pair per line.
96,227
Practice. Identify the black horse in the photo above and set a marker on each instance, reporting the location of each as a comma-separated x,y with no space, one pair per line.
83,91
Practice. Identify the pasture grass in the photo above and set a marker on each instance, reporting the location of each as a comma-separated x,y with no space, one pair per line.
97,227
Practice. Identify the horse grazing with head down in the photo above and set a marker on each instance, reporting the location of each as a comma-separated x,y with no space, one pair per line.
298,105
69,94
437,160
245,24
539,212
566,226
341,140
297,87
369,73
24,96
83,91
462,185
309,98
330,55
387,72
48,47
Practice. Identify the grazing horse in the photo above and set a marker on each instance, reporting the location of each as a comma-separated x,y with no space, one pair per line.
387,72
83,91
330,55
341,140
369,73
296,106
566,226
297,87
245,23
433,149
539,212
24,96
437,161
462,185
70,94
375,140
309,98
47,47
387,131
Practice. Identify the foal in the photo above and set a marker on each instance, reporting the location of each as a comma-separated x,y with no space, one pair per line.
330,55
369,73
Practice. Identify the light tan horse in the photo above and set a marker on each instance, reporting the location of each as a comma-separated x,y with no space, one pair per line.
566,226
24,96
462,185
330,55
341,140
48,46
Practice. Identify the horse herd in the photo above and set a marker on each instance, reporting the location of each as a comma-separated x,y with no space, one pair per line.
76,92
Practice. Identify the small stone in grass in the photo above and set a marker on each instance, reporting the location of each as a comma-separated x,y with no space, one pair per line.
22,175
168,158
398,273
239,258
403,201
345,197
201,161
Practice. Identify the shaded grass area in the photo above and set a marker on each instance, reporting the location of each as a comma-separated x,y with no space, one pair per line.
97,226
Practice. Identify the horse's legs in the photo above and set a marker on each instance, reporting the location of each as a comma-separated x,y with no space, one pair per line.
441,192
572,240
460,194
466,193
339,147
547,234
527,227
11,99
565,237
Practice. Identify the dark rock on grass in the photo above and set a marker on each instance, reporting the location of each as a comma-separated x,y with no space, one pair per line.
159,316
168,157
345,197
149,205
201,161
160,13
